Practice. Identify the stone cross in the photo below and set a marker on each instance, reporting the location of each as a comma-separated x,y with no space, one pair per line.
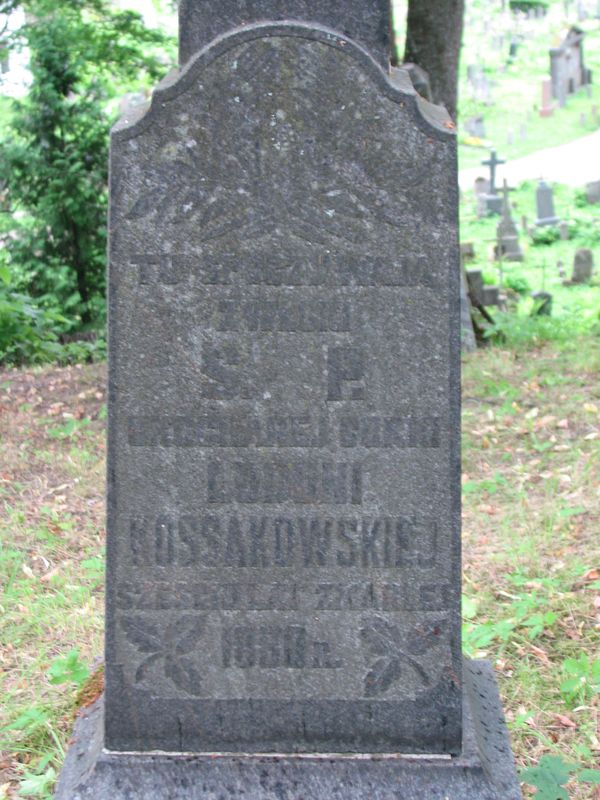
493,162
284,428
508,247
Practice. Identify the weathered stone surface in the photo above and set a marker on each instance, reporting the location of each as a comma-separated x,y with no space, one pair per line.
367,22
544,197
483,771
284,470
583,265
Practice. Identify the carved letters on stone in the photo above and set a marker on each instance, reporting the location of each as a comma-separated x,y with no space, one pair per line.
283,516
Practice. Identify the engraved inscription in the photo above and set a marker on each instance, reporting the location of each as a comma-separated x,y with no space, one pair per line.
326,269
215,541
273,646
270,481
221,427
210,595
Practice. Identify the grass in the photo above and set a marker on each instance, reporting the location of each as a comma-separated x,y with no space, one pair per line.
516,87
531,463
576,308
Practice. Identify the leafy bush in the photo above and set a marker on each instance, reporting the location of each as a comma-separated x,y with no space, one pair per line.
528,5
31,334
27,332
518,331
54,165
545,235
517,283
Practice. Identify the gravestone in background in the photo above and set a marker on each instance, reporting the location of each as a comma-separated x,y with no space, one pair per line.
583,265
507,246
493,200
544,199
284,465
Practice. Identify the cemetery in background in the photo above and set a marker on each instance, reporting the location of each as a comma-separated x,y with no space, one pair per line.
530,252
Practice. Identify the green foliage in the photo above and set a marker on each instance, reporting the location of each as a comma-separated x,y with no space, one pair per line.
38,784
545,235
528,5
30,332
517,331
582,679
549,777
53,165
526,618
552,773
517,283
27,332
68,669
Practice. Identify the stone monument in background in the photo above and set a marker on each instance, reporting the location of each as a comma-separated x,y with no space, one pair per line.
283,584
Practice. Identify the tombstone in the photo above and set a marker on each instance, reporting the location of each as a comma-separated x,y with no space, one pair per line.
595,114
563,229
583,265
547,108
491,295
475,284
544,198
523,132
493,200
507,247
284,434
561,269
582,119
592,192
480,294
476,127
467,251
468,343
542,304
513,49
567,68
481,186
368,23
510,137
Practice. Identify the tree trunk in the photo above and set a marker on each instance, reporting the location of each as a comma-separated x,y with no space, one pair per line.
433,39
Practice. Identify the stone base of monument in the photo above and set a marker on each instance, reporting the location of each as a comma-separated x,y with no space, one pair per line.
484,771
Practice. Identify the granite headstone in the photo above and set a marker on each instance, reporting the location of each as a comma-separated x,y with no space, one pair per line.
272,260
367,23
583,265
592,192
284,465
544,199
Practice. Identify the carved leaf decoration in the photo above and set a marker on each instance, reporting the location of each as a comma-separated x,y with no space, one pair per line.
180,637
143,668
186,633
379,637
142,634
422,638
383,673
383,639
183,673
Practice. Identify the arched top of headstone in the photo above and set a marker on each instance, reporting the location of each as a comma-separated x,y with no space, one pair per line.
367,22
433,120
